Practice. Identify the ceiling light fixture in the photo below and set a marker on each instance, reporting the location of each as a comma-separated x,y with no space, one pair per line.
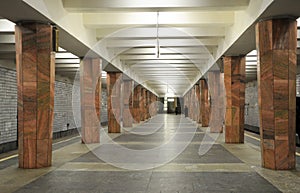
157,35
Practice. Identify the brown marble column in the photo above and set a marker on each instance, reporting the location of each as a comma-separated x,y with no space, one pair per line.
35,80
156,104
90,96
234,78
195,103
184,103
198,103
142,104
277,44
216,120
136,104
127,102
114,81
190,104
147,104
205,106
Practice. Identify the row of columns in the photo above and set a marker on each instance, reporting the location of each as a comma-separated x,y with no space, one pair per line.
139,104
35,65
276,42
192,102
276,45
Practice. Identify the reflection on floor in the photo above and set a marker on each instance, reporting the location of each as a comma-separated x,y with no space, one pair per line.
224,168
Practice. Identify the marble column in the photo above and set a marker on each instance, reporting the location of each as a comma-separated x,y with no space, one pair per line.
216,120
35,65
147,104
234,78
190,107
198,103
127,102
142,104
195,104
136,104
114,81
90,96
150,105
205,106
156,105
277,45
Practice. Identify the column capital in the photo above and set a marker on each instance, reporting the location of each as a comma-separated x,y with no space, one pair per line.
278,17
32,22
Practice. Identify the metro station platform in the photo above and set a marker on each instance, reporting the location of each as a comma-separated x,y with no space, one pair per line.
223,168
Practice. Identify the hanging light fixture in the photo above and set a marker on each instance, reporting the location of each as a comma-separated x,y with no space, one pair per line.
157,36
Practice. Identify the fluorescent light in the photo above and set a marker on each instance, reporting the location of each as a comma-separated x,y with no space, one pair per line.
103,74
171,99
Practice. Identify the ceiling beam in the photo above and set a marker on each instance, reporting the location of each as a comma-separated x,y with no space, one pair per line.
177,73
181,50
175,19
67,61
7,39
66,69
162,42
166,5
202,57
57,65
160,62
6,26
4,48
164,32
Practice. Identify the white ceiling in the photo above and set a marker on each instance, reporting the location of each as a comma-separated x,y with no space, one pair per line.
163,45
168,43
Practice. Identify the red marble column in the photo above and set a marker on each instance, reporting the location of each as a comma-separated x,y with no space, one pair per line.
195,103
277,44
147,104
142,104
234,78
136,104
156,104
198,103
90,93
114,81
216,121
35,79
205,106
190,107
127,102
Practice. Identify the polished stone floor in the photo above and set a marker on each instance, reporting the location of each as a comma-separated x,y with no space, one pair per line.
140,160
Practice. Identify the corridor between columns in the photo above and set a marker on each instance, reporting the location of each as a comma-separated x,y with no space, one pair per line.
224,168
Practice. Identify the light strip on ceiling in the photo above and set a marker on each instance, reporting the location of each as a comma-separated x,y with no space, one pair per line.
157,35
